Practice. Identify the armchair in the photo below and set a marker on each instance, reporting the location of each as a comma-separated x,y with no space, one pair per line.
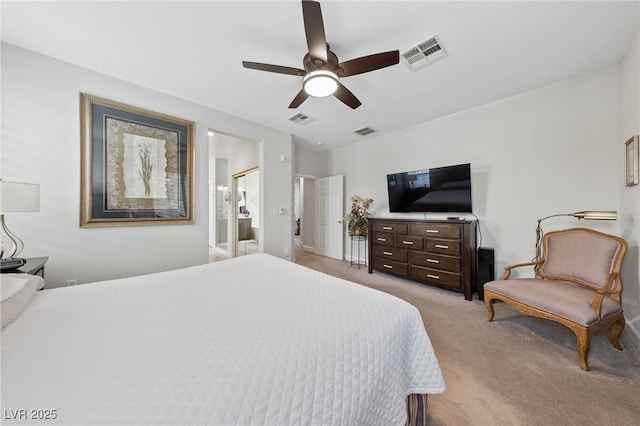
577,283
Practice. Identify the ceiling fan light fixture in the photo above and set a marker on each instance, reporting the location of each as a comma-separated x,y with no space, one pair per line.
320,83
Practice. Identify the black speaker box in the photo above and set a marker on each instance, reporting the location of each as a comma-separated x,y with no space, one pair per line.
485,270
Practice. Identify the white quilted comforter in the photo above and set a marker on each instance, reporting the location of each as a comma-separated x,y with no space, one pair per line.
252,340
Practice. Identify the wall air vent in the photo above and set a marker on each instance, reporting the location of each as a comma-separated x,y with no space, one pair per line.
425,53
300,119
364,131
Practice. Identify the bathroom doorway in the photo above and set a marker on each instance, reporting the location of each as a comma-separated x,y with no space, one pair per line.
231,157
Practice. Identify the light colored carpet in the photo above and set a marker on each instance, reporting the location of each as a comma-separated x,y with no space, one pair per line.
516,370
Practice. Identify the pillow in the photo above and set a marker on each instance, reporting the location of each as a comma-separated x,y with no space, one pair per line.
16,291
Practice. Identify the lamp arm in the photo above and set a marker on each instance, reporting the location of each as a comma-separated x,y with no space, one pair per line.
17,242
554,215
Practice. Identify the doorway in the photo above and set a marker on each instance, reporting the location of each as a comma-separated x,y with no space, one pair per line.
227,156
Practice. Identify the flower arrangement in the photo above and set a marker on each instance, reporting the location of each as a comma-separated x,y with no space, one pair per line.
358,217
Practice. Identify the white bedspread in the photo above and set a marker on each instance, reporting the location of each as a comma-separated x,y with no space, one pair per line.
251,340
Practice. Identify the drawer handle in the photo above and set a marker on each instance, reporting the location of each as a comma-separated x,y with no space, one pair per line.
387,228
441,246
410,243
433,261
432,231
388,253
382,239
435,277
388,266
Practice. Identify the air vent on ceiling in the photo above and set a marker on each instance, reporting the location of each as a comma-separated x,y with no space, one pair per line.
364,131
301,119
425,53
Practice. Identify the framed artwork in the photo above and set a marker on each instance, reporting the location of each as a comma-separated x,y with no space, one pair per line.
136,166
631,161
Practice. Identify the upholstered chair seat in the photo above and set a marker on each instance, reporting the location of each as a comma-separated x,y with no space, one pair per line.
568,300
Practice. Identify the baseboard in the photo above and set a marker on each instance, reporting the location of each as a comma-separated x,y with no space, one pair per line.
223,252
310,249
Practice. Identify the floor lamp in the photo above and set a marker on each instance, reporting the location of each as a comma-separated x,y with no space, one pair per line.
587,215
17,197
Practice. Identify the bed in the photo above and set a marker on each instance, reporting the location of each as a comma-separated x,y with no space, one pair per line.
250,340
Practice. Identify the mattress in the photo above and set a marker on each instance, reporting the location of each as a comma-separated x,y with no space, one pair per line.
250,340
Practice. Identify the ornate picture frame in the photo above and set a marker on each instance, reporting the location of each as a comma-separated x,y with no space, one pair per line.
631,172
136,166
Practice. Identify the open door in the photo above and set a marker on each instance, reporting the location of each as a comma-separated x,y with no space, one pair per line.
329,212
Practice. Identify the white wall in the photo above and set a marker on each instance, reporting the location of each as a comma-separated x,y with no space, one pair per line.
311,162
557,149
276,192
41,144
630,205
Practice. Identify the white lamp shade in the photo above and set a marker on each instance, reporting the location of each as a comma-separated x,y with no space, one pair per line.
19,197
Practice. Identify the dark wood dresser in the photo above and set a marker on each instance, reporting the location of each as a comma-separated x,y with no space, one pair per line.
436,252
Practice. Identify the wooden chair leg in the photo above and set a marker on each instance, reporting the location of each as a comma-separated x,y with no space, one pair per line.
584,345
616,331
488,302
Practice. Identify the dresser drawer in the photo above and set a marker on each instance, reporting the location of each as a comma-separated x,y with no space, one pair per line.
392,227
392,253
391,267
381,238
444,279
408,241
436,261
448,247
438,230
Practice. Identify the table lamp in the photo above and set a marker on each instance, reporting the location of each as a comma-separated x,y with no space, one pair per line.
17,197
587,215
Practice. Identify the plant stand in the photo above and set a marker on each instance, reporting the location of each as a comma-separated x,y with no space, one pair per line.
358,241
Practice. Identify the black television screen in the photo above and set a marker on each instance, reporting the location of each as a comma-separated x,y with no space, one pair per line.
436,190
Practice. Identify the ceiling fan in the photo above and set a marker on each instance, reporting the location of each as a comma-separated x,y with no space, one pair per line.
322,71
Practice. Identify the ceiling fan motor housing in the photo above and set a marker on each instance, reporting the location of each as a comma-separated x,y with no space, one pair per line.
317,64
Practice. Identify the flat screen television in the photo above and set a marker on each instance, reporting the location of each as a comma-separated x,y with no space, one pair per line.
436,190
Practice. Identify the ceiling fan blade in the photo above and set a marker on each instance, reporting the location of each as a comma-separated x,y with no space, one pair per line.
347,97
314,29
369,63
299,99
273,68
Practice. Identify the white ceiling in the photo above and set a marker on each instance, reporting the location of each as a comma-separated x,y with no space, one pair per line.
194,50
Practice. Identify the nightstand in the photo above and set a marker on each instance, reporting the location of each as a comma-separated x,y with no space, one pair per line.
34,266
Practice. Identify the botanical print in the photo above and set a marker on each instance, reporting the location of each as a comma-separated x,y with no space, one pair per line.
144,164
141,167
